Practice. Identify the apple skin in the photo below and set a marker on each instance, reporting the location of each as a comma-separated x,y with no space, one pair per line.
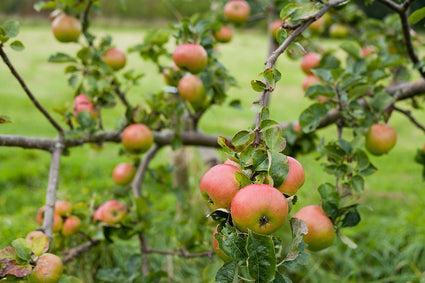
31,236
217,249
83,103
57,219
237,11
123,174
190,57
224,35
49,269
137,138
380,139
115,58
338,31
66,28
310,61
192,89
274,27
63,208
259,208
308,81
218,186
111,212
321,233
366,51
295,178
71,225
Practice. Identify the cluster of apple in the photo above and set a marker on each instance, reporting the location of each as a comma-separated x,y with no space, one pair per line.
63,220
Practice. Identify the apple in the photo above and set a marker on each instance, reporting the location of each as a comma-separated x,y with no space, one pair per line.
322,99
274,27
111,212
54,14
190,57
83,103
66,28
219,185
338,31
71,225
217,249
296,126
31,236
260,208
115,58
321,233
224,35
318,26
192,89
380,139
366,51
57,219
48,269
237,11
295,178
308,81
123,174
137,138
310,61
63,208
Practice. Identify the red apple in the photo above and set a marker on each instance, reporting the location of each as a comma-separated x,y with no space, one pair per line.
338,31
224,35
63,208
137,138
310,61
260,208
366,51
123,174
66,28
111,212
237,11
308,81
217,249
192,89
296,126
83,103
274,27
48,269
71,225
115,58
219,185
380,139
190,57
321,232
295,178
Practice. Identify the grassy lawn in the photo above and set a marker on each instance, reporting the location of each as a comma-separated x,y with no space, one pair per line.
390,237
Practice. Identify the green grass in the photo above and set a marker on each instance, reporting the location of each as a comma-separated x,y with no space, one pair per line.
390,236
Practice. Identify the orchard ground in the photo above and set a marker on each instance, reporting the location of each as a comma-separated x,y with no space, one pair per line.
390,237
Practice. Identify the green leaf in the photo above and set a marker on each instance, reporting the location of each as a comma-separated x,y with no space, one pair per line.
17,45
267,124
357,183
61,58
274,139
40,245
5,119
352,48
23,249
7,254
351,218
242,179
258,86
296,252
278,167
231,242
42,5
225,144
324,75
417,16
310,118
11,28
330,199
141,207
317,89
268,75
281,278
346,240
69,279
242,139
227,273
261,257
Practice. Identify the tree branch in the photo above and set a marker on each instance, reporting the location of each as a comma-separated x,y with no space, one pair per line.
28,92
411,118
136,185
70,254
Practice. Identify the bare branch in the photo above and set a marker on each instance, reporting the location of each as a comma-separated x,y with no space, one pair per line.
72,253
136,185
28,92
411,118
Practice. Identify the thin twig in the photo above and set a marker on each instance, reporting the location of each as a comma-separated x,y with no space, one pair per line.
72,253
411,118
136,185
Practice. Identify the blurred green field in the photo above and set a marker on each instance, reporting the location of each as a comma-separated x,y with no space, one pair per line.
390,237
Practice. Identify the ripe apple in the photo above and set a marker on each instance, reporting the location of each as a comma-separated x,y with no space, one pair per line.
192,89
137,138
66,28
322,99
190,57
83,103
310,61
237,11
380,139
219,185
260,208
123,174
224,35
63,208
31,236
57,219
115,58
366,51
295,178
217,249
338,31
48,269
308,81
321,232
274,27
71,225
318,26
111,212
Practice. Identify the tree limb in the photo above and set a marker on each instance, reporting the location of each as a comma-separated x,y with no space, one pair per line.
411,118
70,254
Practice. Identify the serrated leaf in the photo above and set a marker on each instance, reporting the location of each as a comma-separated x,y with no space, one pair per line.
260,160
242,137
274,139
17,45
227,273
7,254
23,249
310,118
231,242
417,16
11,28
261,257
278,167
242,179
296,251
258,86
61,58
15,269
